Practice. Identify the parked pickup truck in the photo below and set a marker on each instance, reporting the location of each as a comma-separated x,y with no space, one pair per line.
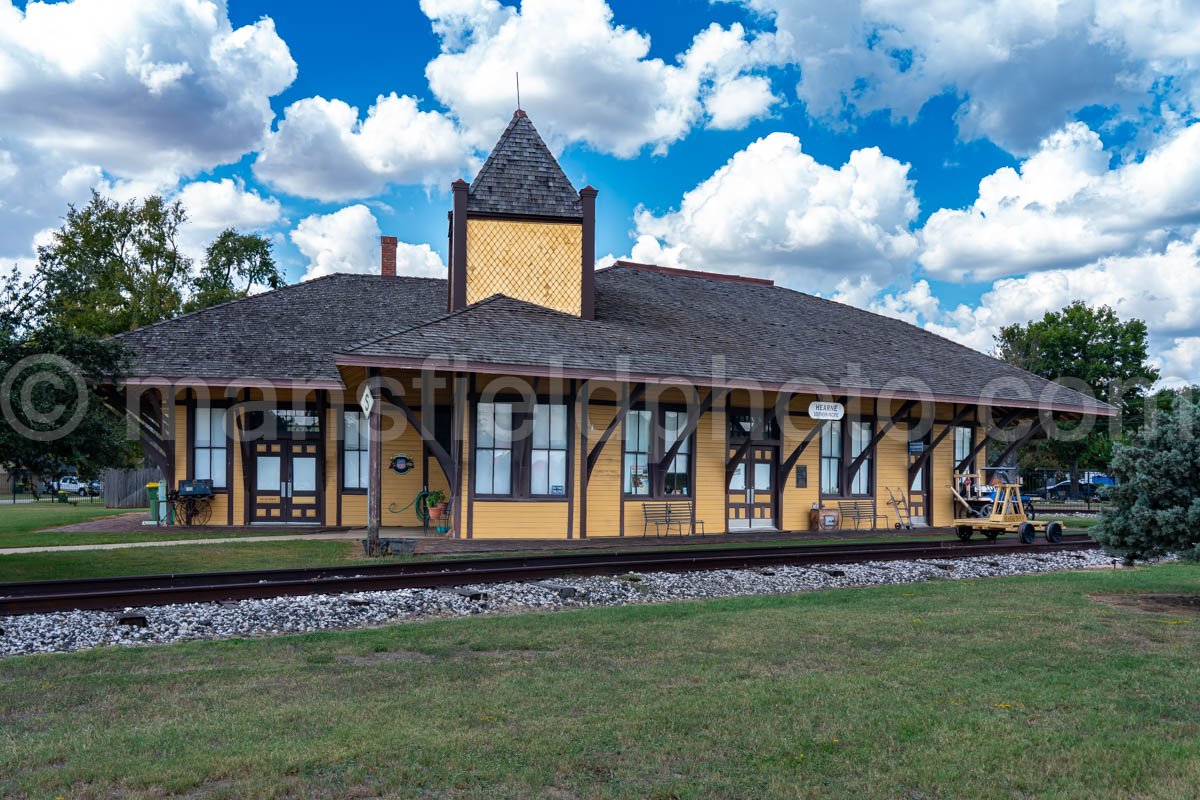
72,484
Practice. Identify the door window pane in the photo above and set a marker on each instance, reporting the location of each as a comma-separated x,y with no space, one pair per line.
762,477
268,473
304,474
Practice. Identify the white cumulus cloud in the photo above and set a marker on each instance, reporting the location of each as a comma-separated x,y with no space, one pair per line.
138,86
1067,207
1021,69
347,240
124,96
774,211
323,149
586,78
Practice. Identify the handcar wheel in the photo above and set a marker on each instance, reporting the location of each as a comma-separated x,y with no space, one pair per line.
1054,532
964,533
1026,532
991,535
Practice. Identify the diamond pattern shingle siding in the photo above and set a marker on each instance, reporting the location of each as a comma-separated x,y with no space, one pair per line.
521,177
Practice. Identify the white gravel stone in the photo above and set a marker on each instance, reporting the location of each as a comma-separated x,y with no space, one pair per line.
77,630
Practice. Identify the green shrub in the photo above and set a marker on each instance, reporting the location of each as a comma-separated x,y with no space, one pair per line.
1155,507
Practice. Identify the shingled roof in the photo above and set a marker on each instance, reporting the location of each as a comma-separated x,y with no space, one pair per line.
521,177
654,324
285,335
674,325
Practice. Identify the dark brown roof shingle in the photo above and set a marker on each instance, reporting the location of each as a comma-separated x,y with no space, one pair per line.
521,177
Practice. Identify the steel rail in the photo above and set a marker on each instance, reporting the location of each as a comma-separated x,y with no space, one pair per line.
151,590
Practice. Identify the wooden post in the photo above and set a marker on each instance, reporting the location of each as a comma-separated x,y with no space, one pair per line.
375,468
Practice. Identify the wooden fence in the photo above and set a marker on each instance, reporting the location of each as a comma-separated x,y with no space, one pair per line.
126,488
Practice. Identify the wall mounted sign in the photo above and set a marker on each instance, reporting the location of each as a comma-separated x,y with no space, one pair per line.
916,447
366,401
829,411
401,464
802,476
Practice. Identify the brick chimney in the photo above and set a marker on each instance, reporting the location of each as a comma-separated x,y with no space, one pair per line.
387,255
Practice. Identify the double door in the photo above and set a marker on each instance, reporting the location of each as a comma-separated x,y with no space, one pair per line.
751,500
287,481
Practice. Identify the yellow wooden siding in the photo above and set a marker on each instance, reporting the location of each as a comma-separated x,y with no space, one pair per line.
797,502
891,472
604,486
333,418
538,262
520,519
710,455
941,478
237,493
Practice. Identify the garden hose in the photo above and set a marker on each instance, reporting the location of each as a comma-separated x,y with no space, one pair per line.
420,505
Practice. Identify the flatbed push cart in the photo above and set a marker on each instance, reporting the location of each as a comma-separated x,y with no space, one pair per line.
1005,514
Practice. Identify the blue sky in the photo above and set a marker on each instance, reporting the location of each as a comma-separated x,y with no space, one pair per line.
962,166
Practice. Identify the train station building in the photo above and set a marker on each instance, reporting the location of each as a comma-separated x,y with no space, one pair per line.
550,399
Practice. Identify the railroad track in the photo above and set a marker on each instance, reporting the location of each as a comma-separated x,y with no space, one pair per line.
33,597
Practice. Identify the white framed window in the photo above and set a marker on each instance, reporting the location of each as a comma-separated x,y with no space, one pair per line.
356,450
637,453
210,450
831,458
548,454
860,437
964,441
493,448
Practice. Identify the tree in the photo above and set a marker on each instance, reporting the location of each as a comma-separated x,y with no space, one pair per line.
1156,503
1092,345
233,264
51,416
113,267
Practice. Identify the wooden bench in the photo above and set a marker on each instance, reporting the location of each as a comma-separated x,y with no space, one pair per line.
670,514
859,511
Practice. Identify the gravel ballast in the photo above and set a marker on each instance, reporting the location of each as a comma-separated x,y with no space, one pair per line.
77,630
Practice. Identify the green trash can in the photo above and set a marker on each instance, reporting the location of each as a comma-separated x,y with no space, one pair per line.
61,496
152,497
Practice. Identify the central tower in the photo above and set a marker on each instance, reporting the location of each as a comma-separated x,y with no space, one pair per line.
521,230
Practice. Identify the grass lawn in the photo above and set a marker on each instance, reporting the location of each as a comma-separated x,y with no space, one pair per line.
1017,687
176,558
25,524
19,519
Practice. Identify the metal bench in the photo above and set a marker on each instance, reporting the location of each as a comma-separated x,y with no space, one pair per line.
671,514
858,511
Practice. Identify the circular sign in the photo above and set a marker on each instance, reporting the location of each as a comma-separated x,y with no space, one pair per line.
821,410
401,464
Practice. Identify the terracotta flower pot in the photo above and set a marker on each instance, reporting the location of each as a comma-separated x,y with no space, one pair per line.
435,512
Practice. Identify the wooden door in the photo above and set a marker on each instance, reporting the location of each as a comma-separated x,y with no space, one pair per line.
751,500
287,483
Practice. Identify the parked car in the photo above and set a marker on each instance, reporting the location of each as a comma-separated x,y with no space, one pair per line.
1062,491
73,484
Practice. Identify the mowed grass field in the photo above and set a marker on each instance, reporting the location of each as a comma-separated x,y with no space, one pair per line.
1049,686
33,524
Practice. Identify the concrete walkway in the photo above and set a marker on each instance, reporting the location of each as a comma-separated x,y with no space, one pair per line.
67,548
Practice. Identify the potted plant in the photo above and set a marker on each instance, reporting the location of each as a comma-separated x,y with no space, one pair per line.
437,504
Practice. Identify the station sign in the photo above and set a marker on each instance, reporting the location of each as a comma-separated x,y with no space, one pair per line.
826,411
